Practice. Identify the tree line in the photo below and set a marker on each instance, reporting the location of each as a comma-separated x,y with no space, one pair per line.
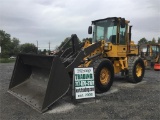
145,41
12,47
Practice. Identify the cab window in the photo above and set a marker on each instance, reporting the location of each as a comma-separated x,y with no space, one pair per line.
122,36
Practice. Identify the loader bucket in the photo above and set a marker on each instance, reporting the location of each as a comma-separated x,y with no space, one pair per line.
39,80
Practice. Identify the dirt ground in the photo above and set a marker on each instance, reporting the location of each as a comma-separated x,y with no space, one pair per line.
124,101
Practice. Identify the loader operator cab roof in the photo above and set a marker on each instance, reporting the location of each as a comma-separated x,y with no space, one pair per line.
106,29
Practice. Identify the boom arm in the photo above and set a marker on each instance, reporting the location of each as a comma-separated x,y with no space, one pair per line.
81,55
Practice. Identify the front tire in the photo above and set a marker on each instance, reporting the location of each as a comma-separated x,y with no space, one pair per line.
103,75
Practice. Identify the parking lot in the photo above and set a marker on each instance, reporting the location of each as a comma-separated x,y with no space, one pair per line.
124,101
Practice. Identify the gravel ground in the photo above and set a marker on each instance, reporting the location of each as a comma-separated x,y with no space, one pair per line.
124,101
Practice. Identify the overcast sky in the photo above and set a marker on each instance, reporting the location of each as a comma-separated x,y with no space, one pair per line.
54,20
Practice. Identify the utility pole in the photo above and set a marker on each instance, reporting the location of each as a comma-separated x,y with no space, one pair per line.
49,47
37,46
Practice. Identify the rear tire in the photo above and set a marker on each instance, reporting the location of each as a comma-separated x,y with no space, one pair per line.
103,74
136,69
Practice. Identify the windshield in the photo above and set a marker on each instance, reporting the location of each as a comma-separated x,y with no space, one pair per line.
105,30
155,49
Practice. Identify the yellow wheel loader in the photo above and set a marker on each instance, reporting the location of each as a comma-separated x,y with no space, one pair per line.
151,56
40,80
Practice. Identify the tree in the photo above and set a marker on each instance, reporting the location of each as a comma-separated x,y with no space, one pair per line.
44,51
158,39
39,51
149,42
67,45
142,41
28,48
15,46
153,41
5,43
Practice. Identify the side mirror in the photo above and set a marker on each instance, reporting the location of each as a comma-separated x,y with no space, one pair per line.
123,23
90,30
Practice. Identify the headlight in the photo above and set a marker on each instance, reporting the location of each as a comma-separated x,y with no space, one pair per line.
106,46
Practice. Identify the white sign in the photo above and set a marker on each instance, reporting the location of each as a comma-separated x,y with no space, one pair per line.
84,83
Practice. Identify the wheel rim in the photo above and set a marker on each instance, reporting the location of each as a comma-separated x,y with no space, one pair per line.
138,70
105,76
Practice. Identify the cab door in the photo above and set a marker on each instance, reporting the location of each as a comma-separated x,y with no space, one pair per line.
122,45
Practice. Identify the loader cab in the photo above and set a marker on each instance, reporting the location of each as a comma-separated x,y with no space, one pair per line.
112,30
116,33
153,50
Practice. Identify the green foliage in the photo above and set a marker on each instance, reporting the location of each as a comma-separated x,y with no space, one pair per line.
28,48
65,44
142,41
69,44
42,52
15,47
158,39
145,41
5,43
153,41
9,47
6,60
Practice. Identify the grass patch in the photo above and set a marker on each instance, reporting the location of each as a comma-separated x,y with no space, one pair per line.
7,60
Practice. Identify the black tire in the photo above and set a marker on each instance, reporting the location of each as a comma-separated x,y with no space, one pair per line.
104,64
134,75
